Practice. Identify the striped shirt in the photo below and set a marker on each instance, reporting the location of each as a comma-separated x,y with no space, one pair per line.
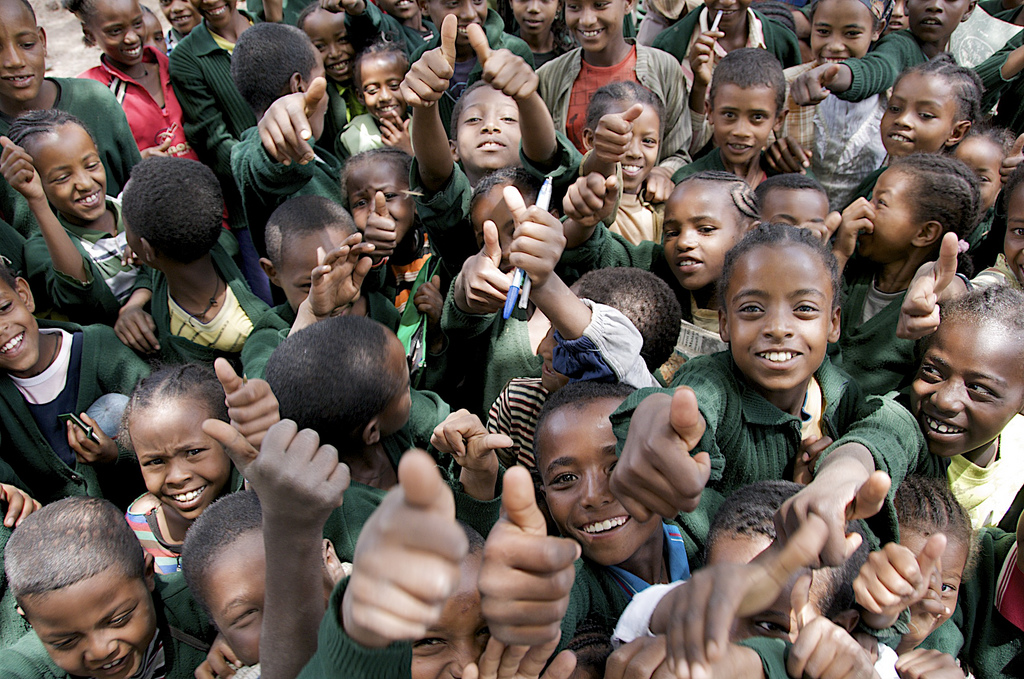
105,252
143,521
514,413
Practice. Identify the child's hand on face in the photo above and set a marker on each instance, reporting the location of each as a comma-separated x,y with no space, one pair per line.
614,133
702,58
16,167
823,649
19,504
894,578
502,69
481,287
336,281
136,329
538,240
591,199
927,663
394,132
919,314
252,406
807,456
427,79
858,218
526,574
285,129
380,230
811,88
1011,161
220,661
499,661
656,473
88,451
407,560
697,616
463,436
787,155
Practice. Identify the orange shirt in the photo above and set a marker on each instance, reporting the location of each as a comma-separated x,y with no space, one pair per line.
589,81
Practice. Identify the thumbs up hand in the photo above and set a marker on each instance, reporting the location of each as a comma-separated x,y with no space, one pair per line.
481,286
1014,159
502,69
614,133
380,229
919,314
285,129
823,649
427,79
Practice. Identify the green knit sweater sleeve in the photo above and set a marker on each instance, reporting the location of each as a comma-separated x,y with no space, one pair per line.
458,324
445,215
90,301
28,659
773,654
990,72
267,334
876,72
262,181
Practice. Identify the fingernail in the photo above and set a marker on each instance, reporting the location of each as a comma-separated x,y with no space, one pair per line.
305,134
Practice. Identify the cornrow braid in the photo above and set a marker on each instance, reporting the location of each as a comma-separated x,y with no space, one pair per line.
743,197
966,84
927,505
42,121
83,9
1002,137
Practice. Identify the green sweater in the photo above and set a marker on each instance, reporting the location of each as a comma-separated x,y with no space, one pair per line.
265,183
778,39
174,349
12,245
871,352
494,27
713,161
749,439
291,9
184,628
876,72
108,366
1010,113
374,22
96,106
12,626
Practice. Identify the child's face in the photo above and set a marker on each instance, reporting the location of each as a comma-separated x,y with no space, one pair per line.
642,153
898,18
734,13
119,29
396,412
933,21
921,117
743,117
778,320
492,207
1013,243
19,332
534,16
701,225
549,378
298,260
364,183
466,11
380,86
805,208
575,456
99,627
895,227
488,132
459,636
969,386
73,176
182,467
329,36
180,14
218,13
403,10
235,587
22,56
596,24
984,156
954,560
154,33
841,29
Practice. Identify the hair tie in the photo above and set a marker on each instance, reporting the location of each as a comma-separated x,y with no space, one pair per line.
963,246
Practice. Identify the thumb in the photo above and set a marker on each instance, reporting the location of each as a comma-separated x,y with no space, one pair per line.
800,551
229,379
519,502
800,601
930,558
492,248
449,31
478,40
633,112
829,74
240,451
314,94
870,497
685,417
421,482
1018,146
516,204
166,144
435,280
945,268
5,141
380,205
610,183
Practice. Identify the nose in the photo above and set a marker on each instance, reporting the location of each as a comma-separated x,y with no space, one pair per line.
687,240
778,324
588,16
100,648
83,181
465,12
11,57
948,399
533,7
178,473
635,148
596,490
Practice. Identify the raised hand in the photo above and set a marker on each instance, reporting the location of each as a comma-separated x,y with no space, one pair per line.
807,457
858,218
811,88
101,451
502,69
16,167
463,436
380,230
614,133
702,57
591,199
285,129
656,473
427,79
1013,159
787,155
499,661
894,578
823,649
252,406
537,241
481,286
157,151
336,281
394,132
19,504
919,314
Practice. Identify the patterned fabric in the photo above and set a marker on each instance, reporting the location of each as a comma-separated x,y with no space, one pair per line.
589,81
675,554
1010,590
405,274
1000,274
106,251
166,558
514,413
153,665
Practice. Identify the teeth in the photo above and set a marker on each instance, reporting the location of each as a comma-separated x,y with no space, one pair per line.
688,262
591,34
12,343
777,356
189,496
942,427
602,526
90,200
899,137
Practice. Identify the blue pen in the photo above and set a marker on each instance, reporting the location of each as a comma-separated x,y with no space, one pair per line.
520,281
513,292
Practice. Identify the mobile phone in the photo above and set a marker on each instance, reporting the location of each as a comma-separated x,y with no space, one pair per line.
89,431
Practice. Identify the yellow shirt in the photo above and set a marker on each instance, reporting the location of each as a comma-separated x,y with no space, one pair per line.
227,331
228,47
636,221
987,492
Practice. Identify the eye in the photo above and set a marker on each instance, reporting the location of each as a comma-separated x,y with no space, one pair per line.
707,229
823,32
929,373
429,641
759,117
948,588
927,116
983,179
471,119
122,620
768,627
370,90
194,452
749,308
154,462
806,309
359,203
63,644
894,109
563,479
5,307
980,390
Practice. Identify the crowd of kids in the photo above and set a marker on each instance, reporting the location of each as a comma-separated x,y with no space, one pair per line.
526,339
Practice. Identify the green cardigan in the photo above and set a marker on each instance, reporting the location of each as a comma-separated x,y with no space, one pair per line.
778,39
749,439
876,72
494,27
96,106
12,626
185,629
374,22
174,349
108,366
713,161
291,9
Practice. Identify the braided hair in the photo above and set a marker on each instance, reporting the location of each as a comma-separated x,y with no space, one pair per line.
966,84
379,48
743,197
42,121
927,505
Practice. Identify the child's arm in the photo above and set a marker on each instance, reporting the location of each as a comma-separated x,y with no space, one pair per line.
933,283
19,504
702,63
252,406
510,73
463,436
299,483
136,328
927,663
424,84
335,283
285,130
893,579
16,167
481,287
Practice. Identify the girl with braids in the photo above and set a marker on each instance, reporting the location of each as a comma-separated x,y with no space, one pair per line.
916,201
983,150
379,72
541,23
184,469
138,75
78,253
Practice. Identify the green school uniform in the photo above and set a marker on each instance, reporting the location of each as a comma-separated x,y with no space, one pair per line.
778,39
184,629
264,183
374,22
290,10
494,27
876,72
174,349
12,246
96,106
342,106
749,439
713,161
12,626
108,366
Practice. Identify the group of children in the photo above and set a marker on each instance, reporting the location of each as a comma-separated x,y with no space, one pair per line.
444,339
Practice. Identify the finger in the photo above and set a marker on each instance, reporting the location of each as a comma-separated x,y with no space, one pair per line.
492,248
422,485
945,268
516,204
870,497
1018,146
15,504
238,449
930,559
229,379
147,326
449,32
561,667
519,502
314,94
801,550
380,205
685,417
829,74
478,41
632,113
800,600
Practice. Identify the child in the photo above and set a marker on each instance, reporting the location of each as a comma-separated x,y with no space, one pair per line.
182,17
52,370
184,469
379,72
542,25
745,105
797,200
568,82
24,87
636,219
154,32
916,201
89,592
201,305
79,252
983,150
139,77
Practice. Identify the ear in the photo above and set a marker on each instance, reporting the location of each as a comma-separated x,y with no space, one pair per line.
150,573
588,139
723,325
333,566
149,253
833,335
423,6
708,108
371,432
780,119
268,268
296,83
847,619
960,131
25,292
970,10
87,36
42,37
929,234
455,150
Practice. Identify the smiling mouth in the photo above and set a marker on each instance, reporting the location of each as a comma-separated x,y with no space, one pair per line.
115,664
941,427
491,146
19,80
599,527
12,343
591,34
778,356
217,11
387,109
687,261
632,170
188,498
133,52
90,201
901,138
